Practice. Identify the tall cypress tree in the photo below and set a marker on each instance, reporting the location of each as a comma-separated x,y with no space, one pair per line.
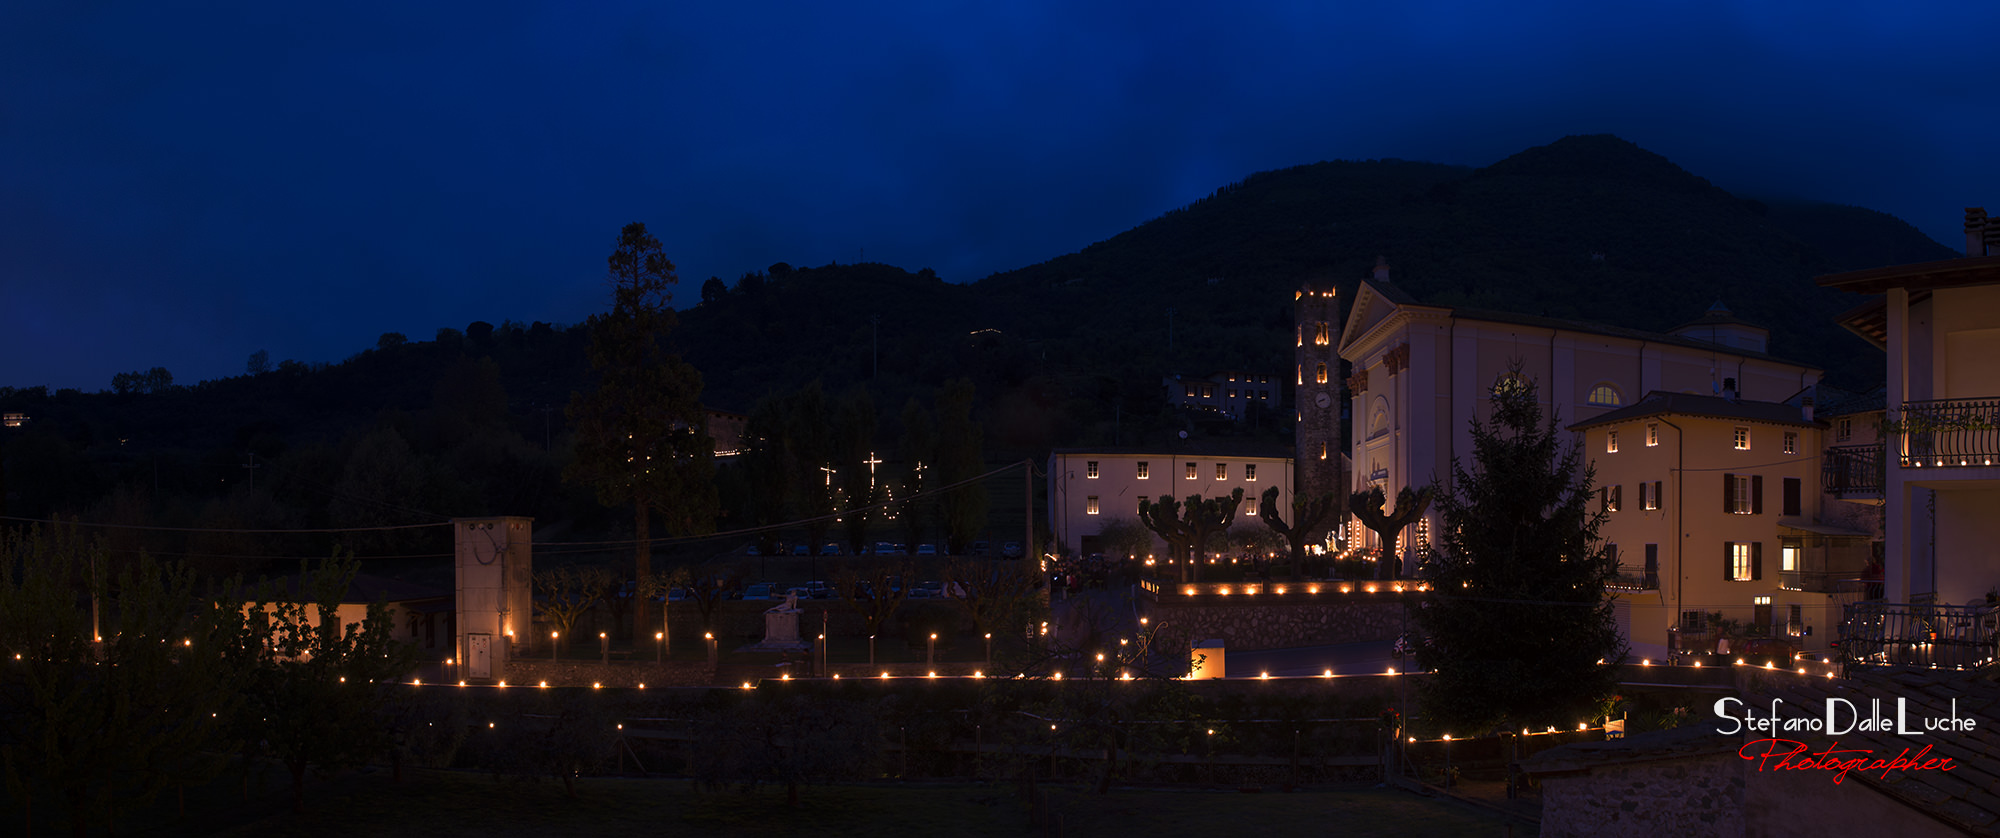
1516,625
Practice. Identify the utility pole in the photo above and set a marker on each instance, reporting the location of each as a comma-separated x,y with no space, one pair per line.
250,465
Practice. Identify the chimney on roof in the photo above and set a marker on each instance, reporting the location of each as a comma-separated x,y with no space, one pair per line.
1729,389
1806,407
1381,269
1978,231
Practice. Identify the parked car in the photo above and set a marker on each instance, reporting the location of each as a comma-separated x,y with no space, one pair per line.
757,591
927,550
818,590
830,549
927,590
802,549
752,551
1011,550
981,548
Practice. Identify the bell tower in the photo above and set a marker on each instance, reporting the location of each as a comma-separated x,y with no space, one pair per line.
1319,447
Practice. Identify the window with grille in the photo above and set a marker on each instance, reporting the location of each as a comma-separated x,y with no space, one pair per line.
1652,435
1090,505
1090,469
1142,470
1249,472
1222,471
1190,471
1742,439
1610,442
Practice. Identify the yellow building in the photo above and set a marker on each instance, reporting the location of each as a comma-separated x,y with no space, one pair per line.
1713,506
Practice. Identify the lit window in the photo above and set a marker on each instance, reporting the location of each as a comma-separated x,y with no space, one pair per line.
1090,505
1190,471
1652,435
1790,557
1090,469
1190,391
1321,376
1845,429
1649,495
1231,393
1264,395
1250,504
1742,439
1610,442
1760,600
1605,395
1320,336
1142,470
1739,561
1610,497
1208,391
1791,442
1249,472
1739,494
1222,471
1322,450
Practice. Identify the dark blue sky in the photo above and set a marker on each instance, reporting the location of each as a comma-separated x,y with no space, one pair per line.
183,187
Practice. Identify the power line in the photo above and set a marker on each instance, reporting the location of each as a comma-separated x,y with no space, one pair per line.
205,529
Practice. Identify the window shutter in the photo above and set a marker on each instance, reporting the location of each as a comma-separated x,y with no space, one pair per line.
1756,560
1728,563
1756,494
1611,552
1659,501
1728,493
1792,489
1603,499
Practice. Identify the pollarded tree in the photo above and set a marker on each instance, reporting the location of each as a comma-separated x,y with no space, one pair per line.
1516,625
567,593
642,436
1388,525
1308,515
1187,527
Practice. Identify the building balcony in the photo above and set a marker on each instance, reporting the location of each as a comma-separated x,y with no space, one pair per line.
1825,582
1633,580
1948,433
1919,634
1852,472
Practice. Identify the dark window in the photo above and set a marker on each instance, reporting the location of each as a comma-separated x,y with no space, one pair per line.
1792,496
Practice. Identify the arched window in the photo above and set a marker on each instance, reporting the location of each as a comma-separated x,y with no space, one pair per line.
1605,395
1320,336
1378,418
1321,377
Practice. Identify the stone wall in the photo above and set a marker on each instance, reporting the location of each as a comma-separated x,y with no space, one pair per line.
1697,795
1279,625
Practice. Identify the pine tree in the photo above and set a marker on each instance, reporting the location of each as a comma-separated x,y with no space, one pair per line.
1516,625
642,436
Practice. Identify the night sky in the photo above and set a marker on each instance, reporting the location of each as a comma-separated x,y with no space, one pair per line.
181,187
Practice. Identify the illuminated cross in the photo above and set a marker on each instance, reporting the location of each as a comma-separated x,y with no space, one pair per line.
829,475
872,462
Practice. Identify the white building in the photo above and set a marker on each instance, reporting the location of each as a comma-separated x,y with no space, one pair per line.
1092,488
1939,322
1423,373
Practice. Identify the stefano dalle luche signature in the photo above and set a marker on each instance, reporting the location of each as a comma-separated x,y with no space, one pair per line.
1841,717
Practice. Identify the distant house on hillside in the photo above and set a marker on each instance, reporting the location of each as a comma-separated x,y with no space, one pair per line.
13,420
1228,393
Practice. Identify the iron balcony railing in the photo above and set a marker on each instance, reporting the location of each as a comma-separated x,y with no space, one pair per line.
1946,433
1919,634
1634,580
1824,581
1852,470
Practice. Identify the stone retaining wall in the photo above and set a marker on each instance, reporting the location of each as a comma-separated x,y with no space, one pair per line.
1279,625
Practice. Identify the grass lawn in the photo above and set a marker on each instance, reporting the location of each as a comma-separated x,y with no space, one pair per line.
431,803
